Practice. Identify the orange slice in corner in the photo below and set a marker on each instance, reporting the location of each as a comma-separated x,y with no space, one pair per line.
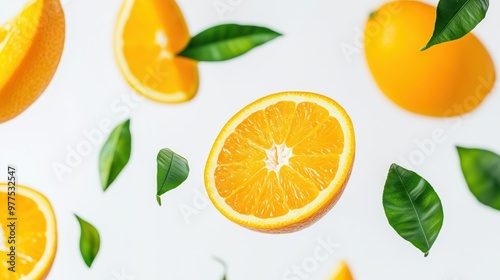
282,162
31,45
148,36
35,234
342,272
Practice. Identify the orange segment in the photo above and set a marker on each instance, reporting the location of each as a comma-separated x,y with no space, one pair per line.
31,46
230,175
272,199
148,36
255,129
239,149
342,272
247,196
299,190
35,234
307,117
320,169
282,162
279,117
326,138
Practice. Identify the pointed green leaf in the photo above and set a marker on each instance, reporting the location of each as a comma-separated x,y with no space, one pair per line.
456,18
227,41
481,169
173,170
412,207
89,241
115,154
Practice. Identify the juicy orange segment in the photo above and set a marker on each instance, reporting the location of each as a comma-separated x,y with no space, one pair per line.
148,36
282,162
342,272
35,235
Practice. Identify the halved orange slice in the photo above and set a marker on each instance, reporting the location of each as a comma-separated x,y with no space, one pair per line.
33,234
148,35
282,162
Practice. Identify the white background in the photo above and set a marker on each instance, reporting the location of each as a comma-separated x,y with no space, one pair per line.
145,241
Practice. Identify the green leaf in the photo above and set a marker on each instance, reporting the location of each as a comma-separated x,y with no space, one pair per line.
227,41
115,154
89,241
412,207
173,170
223,263
481,169
456,18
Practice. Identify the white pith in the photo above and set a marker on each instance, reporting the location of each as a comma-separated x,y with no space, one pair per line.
277,156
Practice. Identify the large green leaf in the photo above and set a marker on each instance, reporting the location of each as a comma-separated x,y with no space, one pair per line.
115,154
227,41
90,241
412,207
456,18
481,169
173,170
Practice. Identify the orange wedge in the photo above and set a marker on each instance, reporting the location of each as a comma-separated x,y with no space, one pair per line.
282,162
31,45
35,234
342,272
148,35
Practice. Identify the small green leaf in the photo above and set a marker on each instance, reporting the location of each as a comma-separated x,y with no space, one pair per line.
223,263
227,41
412,207
456,18
89,241
173,170
481,169
115,154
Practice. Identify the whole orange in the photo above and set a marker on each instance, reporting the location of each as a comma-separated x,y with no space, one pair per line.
446,80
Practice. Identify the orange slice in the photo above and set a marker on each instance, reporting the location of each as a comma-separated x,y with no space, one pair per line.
31,46
282,162
35,234
342,272
148,36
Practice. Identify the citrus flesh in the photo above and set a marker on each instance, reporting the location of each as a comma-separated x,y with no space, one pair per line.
148,36
342,272
31,46
449,79
35,234
282,162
